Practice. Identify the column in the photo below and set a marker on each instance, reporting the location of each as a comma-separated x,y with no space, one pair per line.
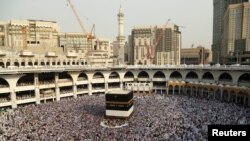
13,99
228,98
37,90
244,100
236,99
202,93
74,90
57,87
121,85
26,62
167,90
50,63
248,99
221,94
90,88
191,91
106,87
138,89
143,90
173,90
12,62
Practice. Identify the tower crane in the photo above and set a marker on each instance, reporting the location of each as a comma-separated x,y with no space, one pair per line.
152,48
89,35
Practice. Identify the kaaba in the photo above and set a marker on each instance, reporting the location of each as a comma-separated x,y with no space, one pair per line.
119,103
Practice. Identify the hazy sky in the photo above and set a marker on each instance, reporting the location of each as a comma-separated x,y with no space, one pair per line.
195,15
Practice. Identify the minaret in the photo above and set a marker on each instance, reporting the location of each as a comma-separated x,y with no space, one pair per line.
120,39
120,16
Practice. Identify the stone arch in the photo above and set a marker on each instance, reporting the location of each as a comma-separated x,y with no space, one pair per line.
26,80
65,76
175,75
82,76
129,74
114,80
16,63
244,80
46,78
8,63
2,64
42,63
36,62
225,78
192,75
159,74
159,80
143,74
98,81
47,63
3,83
30,63
98,75
207,76
22,62
53,62
74,62
114,75
58,62
64,62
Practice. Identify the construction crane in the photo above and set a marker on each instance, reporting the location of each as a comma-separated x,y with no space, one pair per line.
152,48
89,35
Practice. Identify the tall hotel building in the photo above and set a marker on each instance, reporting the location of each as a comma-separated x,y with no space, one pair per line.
236,35
220,7
155,45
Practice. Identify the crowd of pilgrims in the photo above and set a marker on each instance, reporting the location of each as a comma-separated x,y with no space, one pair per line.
155,117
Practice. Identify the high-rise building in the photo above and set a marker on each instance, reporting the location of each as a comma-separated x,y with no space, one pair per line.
155,45
220,7
236,34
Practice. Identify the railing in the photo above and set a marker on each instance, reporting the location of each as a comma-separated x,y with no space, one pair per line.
89,67
66,91
25,84
4,86
3,100
23,97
